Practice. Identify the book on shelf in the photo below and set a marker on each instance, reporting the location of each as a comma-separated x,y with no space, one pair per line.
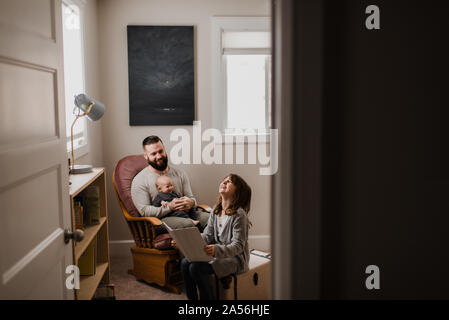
86,207
78,213
91,197
96,251
87,261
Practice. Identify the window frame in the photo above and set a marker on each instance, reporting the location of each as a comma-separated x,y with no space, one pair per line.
219,90
84,149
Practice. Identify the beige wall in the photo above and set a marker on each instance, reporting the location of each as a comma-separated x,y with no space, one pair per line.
120,139
92,78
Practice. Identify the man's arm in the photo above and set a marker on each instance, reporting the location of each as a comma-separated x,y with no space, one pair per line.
142,200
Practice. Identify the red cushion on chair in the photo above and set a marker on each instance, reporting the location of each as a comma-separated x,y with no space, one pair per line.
125,171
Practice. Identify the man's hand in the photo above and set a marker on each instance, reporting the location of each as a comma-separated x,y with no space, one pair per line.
184,204
176,204
210,250
188,203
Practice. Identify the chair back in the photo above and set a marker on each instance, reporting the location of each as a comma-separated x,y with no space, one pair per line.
122,178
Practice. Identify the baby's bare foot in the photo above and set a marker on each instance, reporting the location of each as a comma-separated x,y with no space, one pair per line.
195,222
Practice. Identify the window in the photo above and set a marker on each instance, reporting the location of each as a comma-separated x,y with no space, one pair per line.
241,73
73,73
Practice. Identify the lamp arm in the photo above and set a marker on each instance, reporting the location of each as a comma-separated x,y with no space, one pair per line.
71,139
73,125
88,108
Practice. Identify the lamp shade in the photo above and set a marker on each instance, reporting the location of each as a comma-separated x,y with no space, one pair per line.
83,101
92,109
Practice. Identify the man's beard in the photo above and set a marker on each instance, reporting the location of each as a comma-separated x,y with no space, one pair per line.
159,167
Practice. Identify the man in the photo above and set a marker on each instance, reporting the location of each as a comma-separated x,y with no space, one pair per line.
144,190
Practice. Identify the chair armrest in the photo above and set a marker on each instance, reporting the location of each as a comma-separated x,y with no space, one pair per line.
153,220
205,207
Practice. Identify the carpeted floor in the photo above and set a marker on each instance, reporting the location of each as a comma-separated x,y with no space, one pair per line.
127,288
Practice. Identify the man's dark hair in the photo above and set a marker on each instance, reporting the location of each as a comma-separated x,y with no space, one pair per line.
151,140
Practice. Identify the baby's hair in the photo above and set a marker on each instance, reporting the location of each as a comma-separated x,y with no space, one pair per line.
158,180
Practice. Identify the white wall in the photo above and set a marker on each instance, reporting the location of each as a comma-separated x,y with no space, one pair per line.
120,139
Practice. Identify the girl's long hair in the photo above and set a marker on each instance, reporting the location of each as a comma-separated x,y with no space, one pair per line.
242,196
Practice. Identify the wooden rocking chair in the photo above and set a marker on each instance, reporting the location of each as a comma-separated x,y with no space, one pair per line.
149,264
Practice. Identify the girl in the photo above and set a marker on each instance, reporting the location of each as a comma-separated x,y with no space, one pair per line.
226,235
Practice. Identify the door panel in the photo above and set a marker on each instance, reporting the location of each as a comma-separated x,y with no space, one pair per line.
34,194
28,274
33,18
49,283
35,218
29,112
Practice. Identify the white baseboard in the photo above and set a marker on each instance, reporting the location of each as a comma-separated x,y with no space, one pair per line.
122,248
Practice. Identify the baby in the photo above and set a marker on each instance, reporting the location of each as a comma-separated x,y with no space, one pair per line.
166,194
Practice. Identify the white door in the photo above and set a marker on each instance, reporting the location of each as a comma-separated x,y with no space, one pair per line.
34,196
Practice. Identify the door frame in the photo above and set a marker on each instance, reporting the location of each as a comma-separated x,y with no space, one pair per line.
298,86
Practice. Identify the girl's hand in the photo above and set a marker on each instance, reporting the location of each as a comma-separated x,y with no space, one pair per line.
210,250
173,244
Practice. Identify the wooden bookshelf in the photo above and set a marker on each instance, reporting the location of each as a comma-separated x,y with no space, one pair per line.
89,284
89,234
95,232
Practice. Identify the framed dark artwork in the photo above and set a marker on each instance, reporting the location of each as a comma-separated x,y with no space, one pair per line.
161,75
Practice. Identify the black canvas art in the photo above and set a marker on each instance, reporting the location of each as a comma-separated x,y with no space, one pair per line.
161,75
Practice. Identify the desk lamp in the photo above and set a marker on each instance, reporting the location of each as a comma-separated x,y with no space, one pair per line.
94,110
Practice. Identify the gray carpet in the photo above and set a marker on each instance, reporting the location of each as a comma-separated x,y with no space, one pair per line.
127,288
